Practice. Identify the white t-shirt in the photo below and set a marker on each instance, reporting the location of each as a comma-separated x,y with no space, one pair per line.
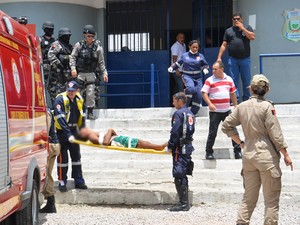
177,49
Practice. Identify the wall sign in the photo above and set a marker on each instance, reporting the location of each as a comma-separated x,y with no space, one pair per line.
291,26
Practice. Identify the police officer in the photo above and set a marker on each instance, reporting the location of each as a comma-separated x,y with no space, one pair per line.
46,40
69,115
54,149
263,144
87,63
180,143
58,56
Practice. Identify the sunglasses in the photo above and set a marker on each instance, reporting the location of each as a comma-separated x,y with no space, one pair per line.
90,36
234,19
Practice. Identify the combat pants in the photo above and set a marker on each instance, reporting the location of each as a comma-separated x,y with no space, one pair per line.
54,150
255,174
89,80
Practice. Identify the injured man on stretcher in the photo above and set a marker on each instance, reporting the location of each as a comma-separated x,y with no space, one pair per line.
111,138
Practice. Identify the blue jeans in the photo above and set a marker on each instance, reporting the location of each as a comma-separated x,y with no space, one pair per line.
243,67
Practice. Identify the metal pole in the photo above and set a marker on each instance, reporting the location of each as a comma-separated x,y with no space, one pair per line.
152,86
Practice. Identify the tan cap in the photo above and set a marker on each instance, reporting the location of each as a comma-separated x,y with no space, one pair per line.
260,80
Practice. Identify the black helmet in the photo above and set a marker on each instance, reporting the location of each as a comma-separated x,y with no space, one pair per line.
89,29
48,24
64,31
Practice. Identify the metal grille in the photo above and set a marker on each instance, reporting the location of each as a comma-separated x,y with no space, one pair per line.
210,20
3,136
136,25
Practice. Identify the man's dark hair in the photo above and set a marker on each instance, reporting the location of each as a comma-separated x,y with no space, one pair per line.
237,14
220,63
180,96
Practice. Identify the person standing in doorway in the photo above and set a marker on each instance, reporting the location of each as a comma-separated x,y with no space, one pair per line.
194,66
87,64
217,92
263,144
177,49
237,39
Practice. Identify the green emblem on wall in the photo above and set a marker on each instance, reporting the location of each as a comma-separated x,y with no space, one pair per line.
291,26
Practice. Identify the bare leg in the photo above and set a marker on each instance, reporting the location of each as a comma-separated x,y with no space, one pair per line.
149,145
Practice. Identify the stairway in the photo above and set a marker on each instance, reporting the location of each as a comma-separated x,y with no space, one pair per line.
116,177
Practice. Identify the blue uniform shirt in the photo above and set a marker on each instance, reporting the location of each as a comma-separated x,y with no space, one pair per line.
183,128
192,62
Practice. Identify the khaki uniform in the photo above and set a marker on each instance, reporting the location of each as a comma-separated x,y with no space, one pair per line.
54,150
263,140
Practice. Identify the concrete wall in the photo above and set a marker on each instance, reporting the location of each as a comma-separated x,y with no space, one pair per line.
284,73
73,16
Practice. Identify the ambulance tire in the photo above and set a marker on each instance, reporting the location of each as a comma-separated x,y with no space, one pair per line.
30,214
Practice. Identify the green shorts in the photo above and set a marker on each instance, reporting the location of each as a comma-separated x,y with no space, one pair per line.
125,141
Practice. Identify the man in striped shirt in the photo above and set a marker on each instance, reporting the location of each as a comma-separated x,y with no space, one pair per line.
217,92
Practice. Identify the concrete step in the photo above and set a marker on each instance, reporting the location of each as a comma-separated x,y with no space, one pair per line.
291,122
285,109
116,177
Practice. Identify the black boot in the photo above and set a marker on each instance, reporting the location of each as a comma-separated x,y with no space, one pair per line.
183,204
90,114
50,206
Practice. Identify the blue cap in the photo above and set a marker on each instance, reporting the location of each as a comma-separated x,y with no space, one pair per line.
72,86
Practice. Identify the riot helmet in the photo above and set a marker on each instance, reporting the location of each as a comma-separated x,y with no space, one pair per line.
89,29
48,28
64,31
64,34
48,24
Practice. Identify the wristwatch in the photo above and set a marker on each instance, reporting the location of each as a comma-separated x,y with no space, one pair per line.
242,142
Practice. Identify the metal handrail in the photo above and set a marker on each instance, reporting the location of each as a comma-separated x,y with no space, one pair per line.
137,72
261,56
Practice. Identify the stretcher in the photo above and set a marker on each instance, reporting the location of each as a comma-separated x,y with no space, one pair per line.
137,150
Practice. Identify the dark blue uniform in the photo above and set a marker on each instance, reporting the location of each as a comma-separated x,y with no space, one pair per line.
183,127
193,65
69,117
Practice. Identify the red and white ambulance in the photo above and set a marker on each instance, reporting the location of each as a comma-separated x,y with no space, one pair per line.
23,125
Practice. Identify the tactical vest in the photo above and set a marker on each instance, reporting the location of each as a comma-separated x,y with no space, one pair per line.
45,46
87,60
64,54
66,100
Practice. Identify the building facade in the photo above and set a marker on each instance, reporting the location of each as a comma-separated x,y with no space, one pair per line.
137,34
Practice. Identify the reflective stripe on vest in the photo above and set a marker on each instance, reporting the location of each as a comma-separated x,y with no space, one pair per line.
79,101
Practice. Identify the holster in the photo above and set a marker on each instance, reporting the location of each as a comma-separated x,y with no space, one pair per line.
190,168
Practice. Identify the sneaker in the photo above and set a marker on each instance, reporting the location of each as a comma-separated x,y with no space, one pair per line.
209,156
62,188
81,186
91,117
238,155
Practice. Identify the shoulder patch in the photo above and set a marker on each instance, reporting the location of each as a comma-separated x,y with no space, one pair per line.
274,112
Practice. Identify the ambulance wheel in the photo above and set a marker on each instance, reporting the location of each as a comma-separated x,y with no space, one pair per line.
30,214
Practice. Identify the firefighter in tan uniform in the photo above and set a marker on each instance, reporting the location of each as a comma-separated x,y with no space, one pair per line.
261,151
